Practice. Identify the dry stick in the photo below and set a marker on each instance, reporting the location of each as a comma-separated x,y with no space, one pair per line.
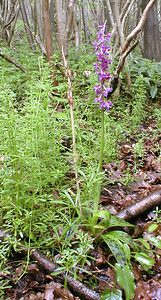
74,285
140,207
71,105
12,61
49,266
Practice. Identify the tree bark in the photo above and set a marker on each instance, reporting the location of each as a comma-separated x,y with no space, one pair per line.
69,24
38,20
52,12
84,19
60,24
152,36
47,29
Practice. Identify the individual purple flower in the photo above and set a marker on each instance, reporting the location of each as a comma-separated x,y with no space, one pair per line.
97,89
106,91
102,50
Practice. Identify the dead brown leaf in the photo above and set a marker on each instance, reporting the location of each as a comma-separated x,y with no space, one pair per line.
55,290
142,291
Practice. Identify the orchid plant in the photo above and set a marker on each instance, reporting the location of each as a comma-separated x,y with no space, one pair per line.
102,90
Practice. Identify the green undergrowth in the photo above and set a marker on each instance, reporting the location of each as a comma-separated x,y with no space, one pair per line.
37,191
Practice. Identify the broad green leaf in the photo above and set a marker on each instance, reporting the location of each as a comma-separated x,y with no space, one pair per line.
112,295
145,261
152,227
127,251
125,279
155,241
118,222
144,243
117,250
147,80
119,235
153,90
99,226
92,220
105,215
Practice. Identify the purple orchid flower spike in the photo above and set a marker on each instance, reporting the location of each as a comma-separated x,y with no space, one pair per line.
102,50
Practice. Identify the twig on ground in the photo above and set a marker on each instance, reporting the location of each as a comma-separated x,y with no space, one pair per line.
79,288
12,61
142,206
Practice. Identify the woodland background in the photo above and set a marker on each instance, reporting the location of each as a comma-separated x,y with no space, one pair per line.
57,241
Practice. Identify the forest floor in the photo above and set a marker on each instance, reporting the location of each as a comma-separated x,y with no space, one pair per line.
38,283
51,250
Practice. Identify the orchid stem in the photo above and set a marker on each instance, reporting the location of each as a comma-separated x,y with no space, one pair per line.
98,185
102,140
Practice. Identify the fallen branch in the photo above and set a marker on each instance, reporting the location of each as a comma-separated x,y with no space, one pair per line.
147,203
77,287
12,61
81,289
49,266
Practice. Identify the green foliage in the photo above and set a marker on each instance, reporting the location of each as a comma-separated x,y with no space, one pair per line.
151,72
125,279
111,295
144,260
31,157
124,249
103,220
75,255
157,115
138,105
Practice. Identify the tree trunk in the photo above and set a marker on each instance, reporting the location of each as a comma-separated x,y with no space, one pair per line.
84,19
52,13
38,20
152,36
47,29
69,24
27,24
60,24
